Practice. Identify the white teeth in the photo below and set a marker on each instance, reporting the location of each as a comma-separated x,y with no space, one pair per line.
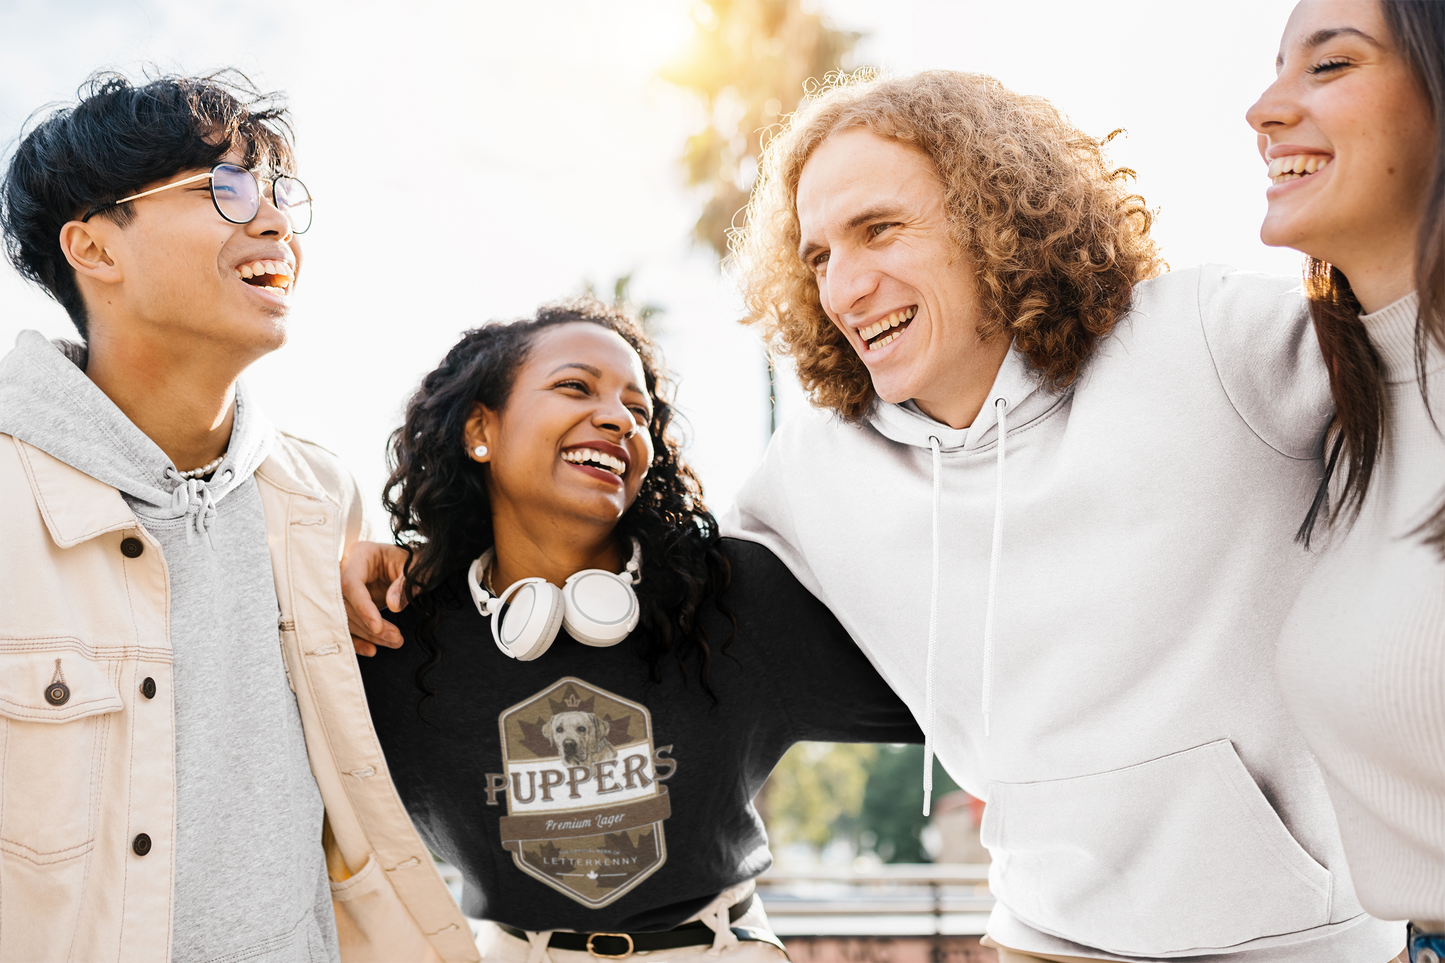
273,268
1292,166
883,341
583,456
892,321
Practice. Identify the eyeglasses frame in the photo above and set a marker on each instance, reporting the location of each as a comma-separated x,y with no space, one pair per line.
210,174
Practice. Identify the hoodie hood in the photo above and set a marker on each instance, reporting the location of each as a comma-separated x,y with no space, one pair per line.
1018,386
47,401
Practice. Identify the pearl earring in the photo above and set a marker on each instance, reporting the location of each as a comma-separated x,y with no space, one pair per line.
479,452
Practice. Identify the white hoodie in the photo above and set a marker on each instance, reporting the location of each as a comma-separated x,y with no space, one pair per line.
1082,613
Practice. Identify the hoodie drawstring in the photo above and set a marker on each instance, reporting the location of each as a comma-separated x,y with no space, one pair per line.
937,447
193,499
1001,406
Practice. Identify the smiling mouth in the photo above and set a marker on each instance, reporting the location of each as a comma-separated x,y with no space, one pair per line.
884,332
592,458
1293,167
274,276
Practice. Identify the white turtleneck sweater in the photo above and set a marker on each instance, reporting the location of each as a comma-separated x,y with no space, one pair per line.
1361,659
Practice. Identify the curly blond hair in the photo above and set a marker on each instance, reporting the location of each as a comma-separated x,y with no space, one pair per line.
1057,239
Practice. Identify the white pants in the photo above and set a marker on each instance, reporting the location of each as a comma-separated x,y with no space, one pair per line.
498,946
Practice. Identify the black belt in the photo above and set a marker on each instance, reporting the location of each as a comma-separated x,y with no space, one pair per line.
619,946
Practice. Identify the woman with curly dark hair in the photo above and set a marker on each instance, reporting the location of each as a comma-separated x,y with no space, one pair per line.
593,684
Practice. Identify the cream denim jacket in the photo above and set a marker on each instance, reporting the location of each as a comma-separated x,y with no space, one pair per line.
88,770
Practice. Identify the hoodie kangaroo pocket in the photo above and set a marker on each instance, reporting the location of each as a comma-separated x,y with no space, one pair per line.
55,713
1172,857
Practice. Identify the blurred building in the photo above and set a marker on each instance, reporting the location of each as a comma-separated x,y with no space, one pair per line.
952,834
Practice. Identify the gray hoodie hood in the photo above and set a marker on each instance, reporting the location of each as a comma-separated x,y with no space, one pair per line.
47,401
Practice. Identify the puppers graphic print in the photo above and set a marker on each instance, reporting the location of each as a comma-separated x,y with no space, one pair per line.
583,784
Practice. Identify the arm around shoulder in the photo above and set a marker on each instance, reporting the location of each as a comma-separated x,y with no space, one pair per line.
1261,338
826,685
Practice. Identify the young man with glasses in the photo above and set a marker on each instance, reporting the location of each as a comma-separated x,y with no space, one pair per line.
172,569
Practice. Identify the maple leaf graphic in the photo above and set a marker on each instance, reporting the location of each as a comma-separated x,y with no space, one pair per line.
617,732
620,845
546,859
534,741
583,705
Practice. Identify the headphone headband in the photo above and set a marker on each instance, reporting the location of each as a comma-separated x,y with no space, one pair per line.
591,618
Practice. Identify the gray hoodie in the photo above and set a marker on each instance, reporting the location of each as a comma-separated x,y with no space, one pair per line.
250,875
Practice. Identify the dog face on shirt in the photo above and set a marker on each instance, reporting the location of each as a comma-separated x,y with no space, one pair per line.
580,737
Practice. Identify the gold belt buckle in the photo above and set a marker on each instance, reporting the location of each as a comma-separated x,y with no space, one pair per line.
610,956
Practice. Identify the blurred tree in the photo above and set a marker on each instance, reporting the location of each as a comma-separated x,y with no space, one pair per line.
873,795
892,805
817,792
649,313
748,61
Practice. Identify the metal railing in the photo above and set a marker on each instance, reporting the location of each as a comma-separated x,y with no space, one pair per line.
928,892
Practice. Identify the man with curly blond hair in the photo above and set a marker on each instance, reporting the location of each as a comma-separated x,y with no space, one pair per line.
1053,494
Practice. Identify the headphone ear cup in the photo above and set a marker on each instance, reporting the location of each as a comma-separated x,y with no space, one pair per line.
600,608
529,625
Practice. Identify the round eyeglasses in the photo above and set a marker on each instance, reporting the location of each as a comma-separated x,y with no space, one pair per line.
236,192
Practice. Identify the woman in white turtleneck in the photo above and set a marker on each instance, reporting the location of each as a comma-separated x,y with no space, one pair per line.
1352,133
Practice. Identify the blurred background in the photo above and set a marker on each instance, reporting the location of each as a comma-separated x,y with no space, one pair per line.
471,160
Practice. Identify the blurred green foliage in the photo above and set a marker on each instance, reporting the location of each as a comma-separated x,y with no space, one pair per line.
748,62
649,313
816,792
892,807
872,795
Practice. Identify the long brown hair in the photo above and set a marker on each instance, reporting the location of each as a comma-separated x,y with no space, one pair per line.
1356,379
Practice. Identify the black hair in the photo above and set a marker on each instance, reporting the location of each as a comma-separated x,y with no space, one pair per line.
441,512
118,137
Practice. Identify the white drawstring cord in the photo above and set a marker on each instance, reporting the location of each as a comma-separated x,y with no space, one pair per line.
193,500
1001,406
937,447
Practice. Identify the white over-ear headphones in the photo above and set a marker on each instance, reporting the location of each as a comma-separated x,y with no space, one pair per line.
597,607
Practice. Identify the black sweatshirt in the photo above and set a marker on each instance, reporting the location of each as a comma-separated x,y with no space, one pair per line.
574,792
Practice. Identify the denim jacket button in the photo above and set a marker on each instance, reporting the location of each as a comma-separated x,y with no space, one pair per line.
148,688
141,845
132,547
57,693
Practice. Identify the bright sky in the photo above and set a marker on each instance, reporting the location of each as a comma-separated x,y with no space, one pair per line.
471,160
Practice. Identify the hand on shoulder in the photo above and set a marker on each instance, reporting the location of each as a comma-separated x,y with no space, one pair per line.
373,573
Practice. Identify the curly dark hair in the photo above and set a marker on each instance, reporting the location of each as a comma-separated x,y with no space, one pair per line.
119,137
441,512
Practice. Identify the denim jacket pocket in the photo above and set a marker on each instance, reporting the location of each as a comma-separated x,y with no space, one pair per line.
55,708
367,910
